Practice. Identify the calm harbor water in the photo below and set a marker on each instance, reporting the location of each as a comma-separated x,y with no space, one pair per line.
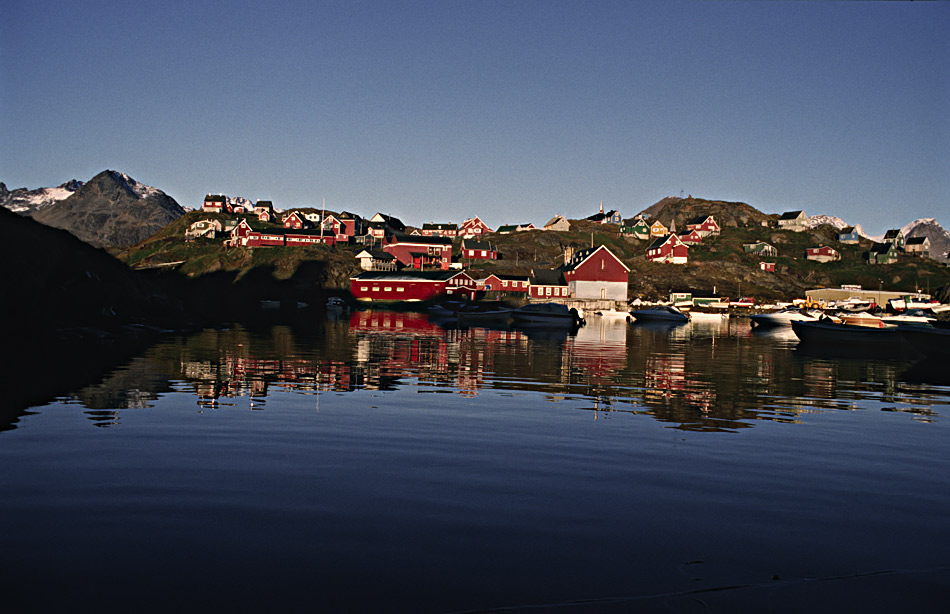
383,463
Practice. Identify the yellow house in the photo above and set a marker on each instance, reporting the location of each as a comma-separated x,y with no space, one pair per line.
657,229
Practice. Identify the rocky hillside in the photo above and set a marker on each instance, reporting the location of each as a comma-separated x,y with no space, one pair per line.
728,214
112,210
24,201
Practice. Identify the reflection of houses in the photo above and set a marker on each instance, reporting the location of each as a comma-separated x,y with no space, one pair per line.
420,252
668,249
793,220
411,286
595,273
822,253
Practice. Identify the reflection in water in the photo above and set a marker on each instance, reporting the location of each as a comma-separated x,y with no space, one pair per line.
704,376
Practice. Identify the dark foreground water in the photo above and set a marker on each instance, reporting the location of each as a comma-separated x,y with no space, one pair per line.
383,464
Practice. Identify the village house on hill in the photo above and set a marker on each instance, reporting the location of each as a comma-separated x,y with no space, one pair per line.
881,253
704,225
849,236
510,228
420,252
793,220
381,225
917,245
822,253
473,228
639,228
216,203
895,237
204,229
611,217
595,273
761,248
376,260
558,223
478,250
440,230
547,284
657,229
244,235
668,249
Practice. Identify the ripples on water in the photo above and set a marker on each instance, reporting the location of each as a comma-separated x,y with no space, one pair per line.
386,464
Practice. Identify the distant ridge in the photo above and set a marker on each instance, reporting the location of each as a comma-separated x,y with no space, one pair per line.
24,201
112,210
726,213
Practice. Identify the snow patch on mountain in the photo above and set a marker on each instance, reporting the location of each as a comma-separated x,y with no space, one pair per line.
835,222
139,189
22,200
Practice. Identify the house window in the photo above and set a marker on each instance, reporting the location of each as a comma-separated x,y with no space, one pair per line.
400,289
547,291
388,289
484,253
363,288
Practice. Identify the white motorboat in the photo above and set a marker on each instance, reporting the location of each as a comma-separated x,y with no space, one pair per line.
784,317
911,317
663,313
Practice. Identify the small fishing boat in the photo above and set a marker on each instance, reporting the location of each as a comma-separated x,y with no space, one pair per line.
546,314
663,313
488,313
911,317
784,317
862,318
827,332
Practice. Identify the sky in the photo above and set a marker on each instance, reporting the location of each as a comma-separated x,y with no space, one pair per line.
511,110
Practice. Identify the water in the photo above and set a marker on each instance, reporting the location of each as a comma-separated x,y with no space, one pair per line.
386,464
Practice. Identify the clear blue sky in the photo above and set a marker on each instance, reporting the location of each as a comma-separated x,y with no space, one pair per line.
511,110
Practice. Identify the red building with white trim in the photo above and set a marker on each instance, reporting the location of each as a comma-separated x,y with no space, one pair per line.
506,283
705,225
473,227
596,273
411,286
420,252
668,249
478,250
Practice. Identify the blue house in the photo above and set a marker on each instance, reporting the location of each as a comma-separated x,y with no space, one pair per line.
849,235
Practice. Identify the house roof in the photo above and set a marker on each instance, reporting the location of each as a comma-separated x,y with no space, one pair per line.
916,240
547,277
555,220
470,244
893,233
661,241
791,215
699,219
420,239
510,277
216,198
264,204
376,254
846,230
513,227
435,226
581,256
881,248
408,275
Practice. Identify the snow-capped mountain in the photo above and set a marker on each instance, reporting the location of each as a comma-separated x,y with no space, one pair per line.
815,221
240,201
24,201
938,235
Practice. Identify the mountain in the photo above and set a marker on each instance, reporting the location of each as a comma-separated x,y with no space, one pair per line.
726,213
815,221
939,237
24,201
112,209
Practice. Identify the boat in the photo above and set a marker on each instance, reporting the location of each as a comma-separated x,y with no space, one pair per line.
861,318
707,316
336,304
929,340
827,332
477,313
784,317
663,313
613,314
911,317
546,314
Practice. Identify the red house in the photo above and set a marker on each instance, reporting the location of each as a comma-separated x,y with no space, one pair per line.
216,203
822,253
547,284
440,230
296,221
595,273
479,250
669,249
473,227
693,238
506,283
411,285
768,267
420,252
705,225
